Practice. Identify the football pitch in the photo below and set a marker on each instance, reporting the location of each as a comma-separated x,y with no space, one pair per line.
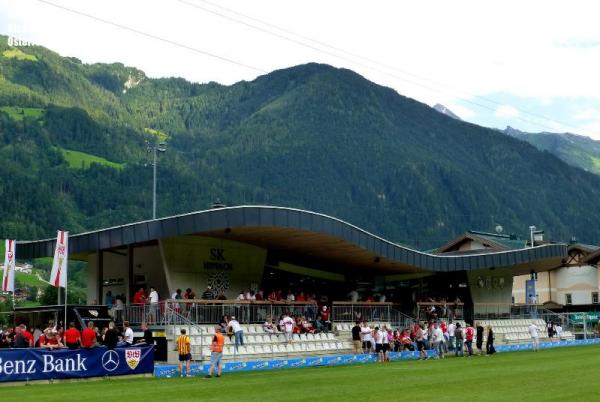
549,375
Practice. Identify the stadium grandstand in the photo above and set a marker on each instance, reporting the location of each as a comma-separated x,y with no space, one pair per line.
225,256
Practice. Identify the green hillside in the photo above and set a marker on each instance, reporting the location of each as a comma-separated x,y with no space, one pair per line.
310,136
82,160
576,150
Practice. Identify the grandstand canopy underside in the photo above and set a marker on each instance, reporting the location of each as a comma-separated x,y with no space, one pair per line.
255,238
299,237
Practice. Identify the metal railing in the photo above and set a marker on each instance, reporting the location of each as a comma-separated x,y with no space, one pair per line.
152,314
449,311
246,312
352,312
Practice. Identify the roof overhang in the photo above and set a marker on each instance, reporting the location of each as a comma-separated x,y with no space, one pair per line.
302,237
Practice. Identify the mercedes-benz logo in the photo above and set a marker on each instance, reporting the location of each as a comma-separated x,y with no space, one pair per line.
110,360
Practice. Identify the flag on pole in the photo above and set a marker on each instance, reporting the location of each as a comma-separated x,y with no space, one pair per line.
8,279
58,277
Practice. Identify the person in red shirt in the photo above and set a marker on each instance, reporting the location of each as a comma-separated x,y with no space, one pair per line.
301,297
469,335
27,335
139,297
50,340
88,336
72,337
272,296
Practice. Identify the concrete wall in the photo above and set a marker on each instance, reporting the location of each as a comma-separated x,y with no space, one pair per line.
490,286
578,281
229,266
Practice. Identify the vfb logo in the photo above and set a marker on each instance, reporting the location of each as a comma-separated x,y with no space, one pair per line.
217,254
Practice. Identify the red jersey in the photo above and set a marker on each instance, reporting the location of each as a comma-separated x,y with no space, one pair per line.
88,337
300,298
138,297
71,335
325,315
469,333
27,335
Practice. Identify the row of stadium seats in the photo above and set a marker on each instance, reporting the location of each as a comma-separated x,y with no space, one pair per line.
257,343
251,351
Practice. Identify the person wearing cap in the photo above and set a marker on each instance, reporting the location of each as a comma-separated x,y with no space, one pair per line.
216,353
238,333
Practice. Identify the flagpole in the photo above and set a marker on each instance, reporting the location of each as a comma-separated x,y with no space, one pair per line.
66,284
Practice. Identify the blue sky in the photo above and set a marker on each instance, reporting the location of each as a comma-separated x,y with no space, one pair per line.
531,64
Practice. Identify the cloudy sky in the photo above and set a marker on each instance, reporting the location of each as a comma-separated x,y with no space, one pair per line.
533,65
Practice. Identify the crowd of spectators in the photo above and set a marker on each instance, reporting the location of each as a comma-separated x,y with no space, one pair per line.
434,335
56,337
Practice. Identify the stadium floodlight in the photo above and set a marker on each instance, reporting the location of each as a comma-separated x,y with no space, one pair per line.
160,147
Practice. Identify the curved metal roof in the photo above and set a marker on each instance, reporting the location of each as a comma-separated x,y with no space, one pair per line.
293,230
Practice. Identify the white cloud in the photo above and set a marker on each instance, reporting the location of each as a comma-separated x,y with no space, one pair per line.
506,111
587,114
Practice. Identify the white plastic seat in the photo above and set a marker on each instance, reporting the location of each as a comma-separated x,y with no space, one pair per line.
310,337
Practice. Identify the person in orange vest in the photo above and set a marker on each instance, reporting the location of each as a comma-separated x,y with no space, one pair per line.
216,355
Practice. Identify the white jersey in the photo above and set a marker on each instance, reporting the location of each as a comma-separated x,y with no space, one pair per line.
451,329
235,326
437,335
379,337
533,331
365,333
288,322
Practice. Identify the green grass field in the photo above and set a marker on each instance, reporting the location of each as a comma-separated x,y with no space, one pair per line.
82,160
567,374
18,54
19,113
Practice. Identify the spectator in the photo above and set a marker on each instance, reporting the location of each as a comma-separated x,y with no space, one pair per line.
27,335
184,348
268,326
108,299
378,336
148,339
535,336
551,330
301,297
489,346
111,336
118,309
367,337
176,296
356,340
288,327
208,294
189,294
20,340
459,337
451,329
272,296
325,318
420,338
241,296
224,323
353,296
469,335
88,336
238,333
479,338
72,337
559,331
216,354
50,340
127,335
437,340
140,296
406,341
290,296
260,296
153,298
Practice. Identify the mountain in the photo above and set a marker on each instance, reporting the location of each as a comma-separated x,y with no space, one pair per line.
73,141
444,110
576,150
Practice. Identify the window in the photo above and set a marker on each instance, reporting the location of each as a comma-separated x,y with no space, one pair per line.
594,297
568,299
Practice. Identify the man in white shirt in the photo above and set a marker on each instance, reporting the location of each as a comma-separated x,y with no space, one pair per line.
378,336
288,326
153,299
127,335
367,339
451,329
437,339
353,296
238,333
559,331
535,336
290,296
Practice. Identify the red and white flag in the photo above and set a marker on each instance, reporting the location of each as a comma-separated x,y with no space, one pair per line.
8,279
58,277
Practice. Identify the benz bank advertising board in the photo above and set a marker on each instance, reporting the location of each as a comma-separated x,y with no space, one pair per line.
39,364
